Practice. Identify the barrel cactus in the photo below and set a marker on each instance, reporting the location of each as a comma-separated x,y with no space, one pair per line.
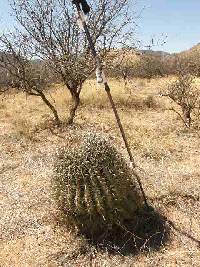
93,185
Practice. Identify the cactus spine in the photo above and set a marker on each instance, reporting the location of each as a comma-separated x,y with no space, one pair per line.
94,186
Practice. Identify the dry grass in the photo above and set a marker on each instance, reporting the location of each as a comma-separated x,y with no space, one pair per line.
168,154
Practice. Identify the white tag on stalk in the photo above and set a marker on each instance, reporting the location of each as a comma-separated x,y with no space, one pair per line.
80,19
131,165
80,24
100,76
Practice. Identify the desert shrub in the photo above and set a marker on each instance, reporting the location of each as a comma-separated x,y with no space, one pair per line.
93,185
185,94
23,128
129,63
128,101
149,66
150,102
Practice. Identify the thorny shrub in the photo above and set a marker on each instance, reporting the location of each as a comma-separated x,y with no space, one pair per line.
185,94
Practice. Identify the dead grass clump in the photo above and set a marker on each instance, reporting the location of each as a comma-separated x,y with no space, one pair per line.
156,151
129,101
93,186
24,128
141,83
2,105
136,102
150,102
125,98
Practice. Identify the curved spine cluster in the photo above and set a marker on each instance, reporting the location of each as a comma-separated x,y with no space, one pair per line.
93,184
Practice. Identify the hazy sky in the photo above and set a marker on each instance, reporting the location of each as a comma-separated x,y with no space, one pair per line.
178,19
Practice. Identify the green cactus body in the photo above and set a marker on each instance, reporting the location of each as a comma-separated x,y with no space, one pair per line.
94,186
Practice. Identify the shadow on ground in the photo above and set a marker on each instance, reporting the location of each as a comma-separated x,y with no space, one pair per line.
147,231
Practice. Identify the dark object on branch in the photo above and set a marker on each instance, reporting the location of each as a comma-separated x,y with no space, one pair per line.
84,5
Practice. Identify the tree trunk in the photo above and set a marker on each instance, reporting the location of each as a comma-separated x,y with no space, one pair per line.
52,108
187,115
73,107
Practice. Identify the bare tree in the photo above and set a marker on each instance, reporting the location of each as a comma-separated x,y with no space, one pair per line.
52,27
120,64
186,95
20,71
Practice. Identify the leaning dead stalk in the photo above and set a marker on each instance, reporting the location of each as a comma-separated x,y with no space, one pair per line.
101,77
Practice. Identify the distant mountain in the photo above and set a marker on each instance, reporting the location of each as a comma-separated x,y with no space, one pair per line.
195,50
192,52
133,55
152,53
